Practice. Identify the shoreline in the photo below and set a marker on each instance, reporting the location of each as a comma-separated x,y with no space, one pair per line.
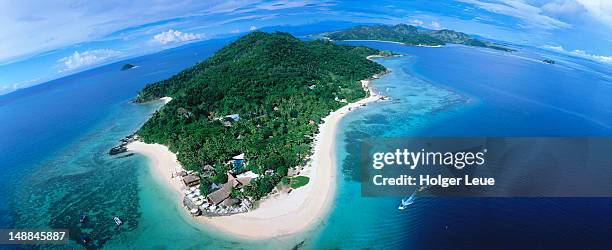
280,214
385,41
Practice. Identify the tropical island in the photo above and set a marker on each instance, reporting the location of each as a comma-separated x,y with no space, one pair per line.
410,35
246,122
127,66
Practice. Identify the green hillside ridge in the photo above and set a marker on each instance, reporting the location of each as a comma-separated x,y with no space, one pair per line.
410,35
281,88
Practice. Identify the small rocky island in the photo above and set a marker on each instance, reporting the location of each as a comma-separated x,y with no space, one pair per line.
127,66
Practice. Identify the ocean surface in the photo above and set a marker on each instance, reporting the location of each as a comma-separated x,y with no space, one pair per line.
465,91
55,138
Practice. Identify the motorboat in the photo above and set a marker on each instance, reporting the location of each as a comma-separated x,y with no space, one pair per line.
117,221
407,201
83,218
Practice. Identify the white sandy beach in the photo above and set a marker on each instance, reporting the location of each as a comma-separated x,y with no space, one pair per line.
281,214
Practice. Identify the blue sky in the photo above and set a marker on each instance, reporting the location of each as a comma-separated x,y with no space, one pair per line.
41,40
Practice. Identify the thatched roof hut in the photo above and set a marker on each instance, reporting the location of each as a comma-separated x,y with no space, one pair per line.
218,196
230,202
244,180
191,180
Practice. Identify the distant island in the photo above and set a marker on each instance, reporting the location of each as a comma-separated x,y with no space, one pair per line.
549,61
410,35
243,121
127,66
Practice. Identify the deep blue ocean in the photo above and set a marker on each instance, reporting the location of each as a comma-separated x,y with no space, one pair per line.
55,137
464,91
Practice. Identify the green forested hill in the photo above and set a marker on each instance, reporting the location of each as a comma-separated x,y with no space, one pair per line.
409,34
280,87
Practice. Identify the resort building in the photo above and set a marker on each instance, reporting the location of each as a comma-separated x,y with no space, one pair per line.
191,180
216,197
233,182
207,170
233,117
246,177
292,172
230,202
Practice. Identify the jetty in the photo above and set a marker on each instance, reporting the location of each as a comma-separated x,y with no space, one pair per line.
122,147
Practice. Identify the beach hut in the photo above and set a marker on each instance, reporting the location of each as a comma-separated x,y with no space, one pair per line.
232,182
218,196
244,180
230,202
191,180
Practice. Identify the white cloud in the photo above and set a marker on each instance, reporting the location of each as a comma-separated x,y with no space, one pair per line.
582,53
531,16
4,89
417,22
279,5
554,47
26,32
8,88
253,27
433,25
175,36
565,7
599,9
579,53
89,57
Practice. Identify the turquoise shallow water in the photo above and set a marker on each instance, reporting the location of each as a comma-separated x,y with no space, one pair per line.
55,166
356,221
82,178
